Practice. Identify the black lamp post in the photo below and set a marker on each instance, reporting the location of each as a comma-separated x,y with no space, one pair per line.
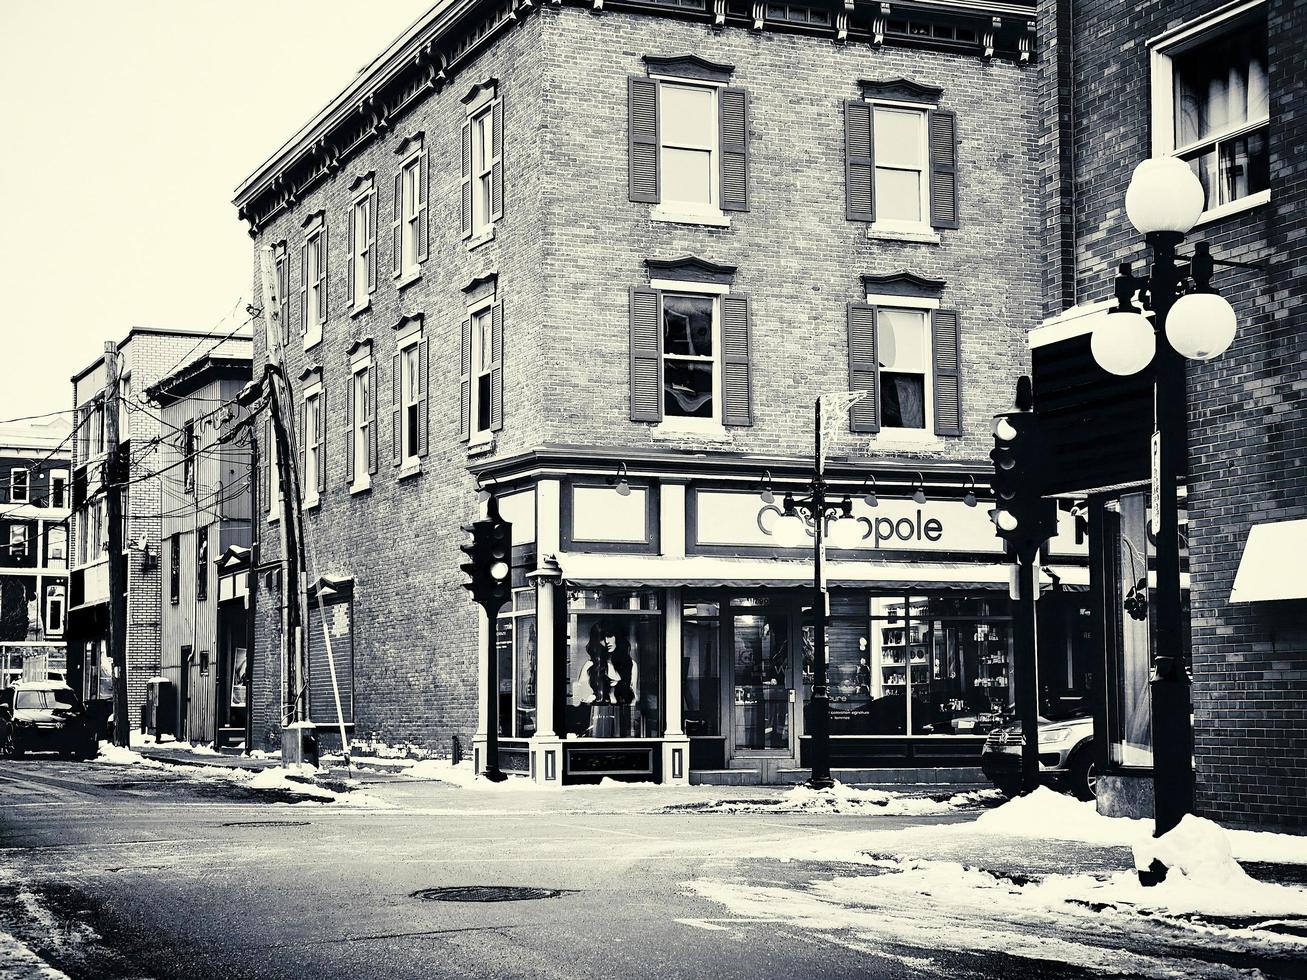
1163,202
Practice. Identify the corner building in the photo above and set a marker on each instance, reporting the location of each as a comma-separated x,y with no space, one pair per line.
602,260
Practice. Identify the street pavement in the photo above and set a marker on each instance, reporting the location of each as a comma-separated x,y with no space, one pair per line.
122,871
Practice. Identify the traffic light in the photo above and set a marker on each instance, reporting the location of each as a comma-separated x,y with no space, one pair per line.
1021,515
490,553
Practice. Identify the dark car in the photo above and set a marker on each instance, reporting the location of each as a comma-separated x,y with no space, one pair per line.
44,716
1066,756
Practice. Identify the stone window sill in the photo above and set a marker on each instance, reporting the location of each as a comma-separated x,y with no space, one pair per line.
361,486
355,311
481,445
408,280
712,217
922,237
478,240
411,468
1234,207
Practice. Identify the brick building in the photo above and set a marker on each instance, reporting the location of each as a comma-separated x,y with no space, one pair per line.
34,501
602,259
1219,85
145,355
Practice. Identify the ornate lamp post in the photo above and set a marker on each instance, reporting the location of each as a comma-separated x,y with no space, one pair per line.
1163,202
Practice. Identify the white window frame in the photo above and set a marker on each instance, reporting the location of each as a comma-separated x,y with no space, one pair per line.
50,555
59,480
277,327
408,402
915,304
190,442
274,483
55,594
13,485
692,212
1162,51
359,434
482,124
681,423
482,308
362,208
313,300
409,266
18,540
312,448
894,226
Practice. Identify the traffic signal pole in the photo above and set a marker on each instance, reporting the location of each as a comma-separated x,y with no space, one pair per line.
1027,669
488,570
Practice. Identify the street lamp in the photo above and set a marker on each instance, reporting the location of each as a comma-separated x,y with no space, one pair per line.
1163,202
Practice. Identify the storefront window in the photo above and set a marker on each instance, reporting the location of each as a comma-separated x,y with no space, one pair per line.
1126,623
614,664
701,678
515,660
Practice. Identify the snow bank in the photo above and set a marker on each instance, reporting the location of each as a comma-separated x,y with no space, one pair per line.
18,960
849,799
115,755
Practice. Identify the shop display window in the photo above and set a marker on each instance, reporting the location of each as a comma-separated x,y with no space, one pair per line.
701,683
515,655
614,664
1126,623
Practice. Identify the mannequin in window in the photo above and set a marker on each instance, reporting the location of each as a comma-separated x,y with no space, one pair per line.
610,675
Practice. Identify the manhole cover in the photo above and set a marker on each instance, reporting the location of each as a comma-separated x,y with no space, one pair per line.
266,823
485,893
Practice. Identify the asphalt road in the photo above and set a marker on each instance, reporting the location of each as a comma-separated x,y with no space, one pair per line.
116,872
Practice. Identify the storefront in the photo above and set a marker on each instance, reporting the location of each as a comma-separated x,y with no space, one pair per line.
666,633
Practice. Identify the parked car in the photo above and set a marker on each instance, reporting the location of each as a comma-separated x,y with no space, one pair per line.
1066,756
44,716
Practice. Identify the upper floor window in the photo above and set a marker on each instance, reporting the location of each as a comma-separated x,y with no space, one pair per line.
409,223
56,546
408,390
688,140
412,395
312,452
278,327
901,185
483,169
59,488
202,563
361,438
54,609
1211,104
188,457
19,488
174,568
313,282
903,348
483,384
361,259
18,540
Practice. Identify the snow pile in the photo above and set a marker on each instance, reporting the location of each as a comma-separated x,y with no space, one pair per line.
115,755
841,798
1048,814
18,960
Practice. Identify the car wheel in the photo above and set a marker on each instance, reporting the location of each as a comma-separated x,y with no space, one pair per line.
1082,776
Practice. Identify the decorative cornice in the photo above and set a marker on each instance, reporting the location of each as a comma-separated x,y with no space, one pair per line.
690,268
417,136
364,178
331,588
489,87
903,283
313,217
407,318
688,66
491,278
358,345
310,371
904,89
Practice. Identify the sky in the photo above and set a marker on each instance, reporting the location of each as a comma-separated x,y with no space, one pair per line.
127,126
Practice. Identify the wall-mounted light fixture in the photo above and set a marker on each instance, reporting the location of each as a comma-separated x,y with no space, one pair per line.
619,482
767,496
919,490
969,498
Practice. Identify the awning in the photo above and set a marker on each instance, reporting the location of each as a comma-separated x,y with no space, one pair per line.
1273,565
633,571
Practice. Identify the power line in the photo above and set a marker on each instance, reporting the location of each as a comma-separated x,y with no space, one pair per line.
214,329
47,415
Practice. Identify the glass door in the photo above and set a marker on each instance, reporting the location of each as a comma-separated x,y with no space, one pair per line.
764,680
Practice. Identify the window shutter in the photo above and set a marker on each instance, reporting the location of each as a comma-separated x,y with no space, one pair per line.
423,401
946,356
304,435
304,287
646,355
397,225
395,387
737,394
465,384
373,455
322,276
351,238
864,368
370,213
465,208
859,162
733,138
349,429
423,177
322,440
943,169
497,161
497,366
264,476
642,139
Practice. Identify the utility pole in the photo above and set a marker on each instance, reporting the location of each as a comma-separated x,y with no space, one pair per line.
113,479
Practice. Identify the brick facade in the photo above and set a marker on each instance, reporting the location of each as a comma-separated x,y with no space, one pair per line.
1247,410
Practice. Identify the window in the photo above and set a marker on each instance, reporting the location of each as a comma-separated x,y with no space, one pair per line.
484,151
175,569
689,363
188,457
903,347
312,446
483,360
204,663
688,124
408,392
1127,555
1211,104
700,651
410,395
18,540
56,546
54,609
409,226
481,411
362,424
614,665
59,488
277,328
19,486
482,157
515,657
313,288
901,186
361,259
202,563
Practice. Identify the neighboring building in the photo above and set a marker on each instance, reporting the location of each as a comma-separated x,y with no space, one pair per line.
204,464
568,255
1219,85
145,355
35,494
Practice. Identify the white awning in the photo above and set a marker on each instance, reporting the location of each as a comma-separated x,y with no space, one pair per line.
632,571
1274,563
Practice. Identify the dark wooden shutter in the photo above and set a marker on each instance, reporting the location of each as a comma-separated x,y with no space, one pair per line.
737,392
322,440
465,207
264,476
396,386
465,382
304,287
864,368
946,357
322,275
397,226
642,139
373,455
370,213
350,270
859,162
423,177
733,137
423,401
943,169
349,428
497,366
646,355
497,160
304,435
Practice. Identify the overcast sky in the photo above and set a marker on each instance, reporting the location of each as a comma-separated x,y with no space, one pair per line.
127,125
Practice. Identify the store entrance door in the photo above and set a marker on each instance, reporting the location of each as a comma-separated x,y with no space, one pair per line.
763,681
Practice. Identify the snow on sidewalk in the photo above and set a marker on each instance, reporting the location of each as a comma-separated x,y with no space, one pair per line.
18,962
